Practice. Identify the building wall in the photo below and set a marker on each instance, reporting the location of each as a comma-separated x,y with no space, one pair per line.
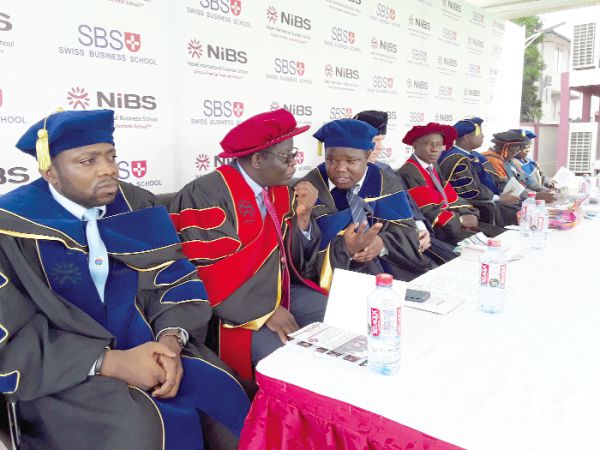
556,53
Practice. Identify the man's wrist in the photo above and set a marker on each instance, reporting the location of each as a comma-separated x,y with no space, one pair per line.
179,334
100,361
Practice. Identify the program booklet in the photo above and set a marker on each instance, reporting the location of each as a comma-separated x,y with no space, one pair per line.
331,341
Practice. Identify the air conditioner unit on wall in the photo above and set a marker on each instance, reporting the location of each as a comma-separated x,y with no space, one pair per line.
585,45
583,140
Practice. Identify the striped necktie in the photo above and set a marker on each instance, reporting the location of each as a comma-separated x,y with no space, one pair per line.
98,257
285,273
437,183
357,208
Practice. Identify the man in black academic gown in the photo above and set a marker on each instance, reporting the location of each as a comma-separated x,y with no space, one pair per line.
469,174
102,318
362,211
436,250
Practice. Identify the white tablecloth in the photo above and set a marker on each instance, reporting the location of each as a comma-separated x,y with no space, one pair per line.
528,378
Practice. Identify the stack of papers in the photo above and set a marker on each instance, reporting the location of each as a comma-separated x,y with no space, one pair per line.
333,342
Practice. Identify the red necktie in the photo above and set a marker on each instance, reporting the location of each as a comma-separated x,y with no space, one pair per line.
285,277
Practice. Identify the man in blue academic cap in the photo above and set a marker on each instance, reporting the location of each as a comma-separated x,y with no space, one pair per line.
529,169
362,211
469,173
102,318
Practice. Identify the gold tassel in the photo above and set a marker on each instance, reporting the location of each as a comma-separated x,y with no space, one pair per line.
42,149
42,146
319,148
477,129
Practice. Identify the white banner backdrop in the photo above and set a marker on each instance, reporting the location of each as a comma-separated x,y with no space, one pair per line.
180,74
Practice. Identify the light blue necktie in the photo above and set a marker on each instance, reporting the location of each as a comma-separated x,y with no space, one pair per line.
98,257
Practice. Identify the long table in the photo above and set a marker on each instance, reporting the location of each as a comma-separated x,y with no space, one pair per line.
528,378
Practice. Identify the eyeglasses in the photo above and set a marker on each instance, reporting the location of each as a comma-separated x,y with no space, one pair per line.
288,158
429,144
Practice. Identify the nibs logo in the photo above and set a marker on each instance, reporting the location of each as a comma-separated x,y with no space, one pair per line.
0,97
202,162
194,48
287,18
296,109
417,84
454,6
443,117
217,52
299,157
272,14
475,42
341,72
5,24
79,98
419,23
445,61
386,46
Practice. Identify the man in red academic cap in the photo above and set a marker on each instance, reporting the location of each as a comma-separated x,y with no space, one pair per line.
253,240
452,217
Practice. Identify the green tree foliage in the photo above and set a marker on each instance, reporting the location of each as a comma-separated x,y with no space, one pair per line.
531,105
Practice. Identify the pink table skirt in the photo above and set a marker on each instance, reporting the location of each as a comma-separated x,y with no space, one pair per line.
284,416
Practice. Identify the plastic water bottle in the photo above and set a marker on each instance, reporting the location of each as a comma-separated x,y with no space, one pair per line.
585,187
539,225
526,207
492,278
384,307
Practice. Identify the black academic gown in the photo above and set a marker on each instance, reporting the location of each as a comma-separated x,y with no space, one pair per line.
399,233
53,327
460,169
440,252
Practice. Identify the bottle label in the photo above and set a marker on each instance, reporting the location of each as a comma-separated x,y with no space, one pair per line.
540,222
493,275
485,273
375,322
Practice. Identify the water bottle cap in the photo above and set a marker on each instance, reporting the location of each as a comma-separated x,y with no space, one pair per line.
494,243
531,194
384,279
540,202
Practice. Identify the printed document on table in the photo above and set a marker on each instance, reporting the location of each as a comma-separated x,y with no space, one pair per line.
513,187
